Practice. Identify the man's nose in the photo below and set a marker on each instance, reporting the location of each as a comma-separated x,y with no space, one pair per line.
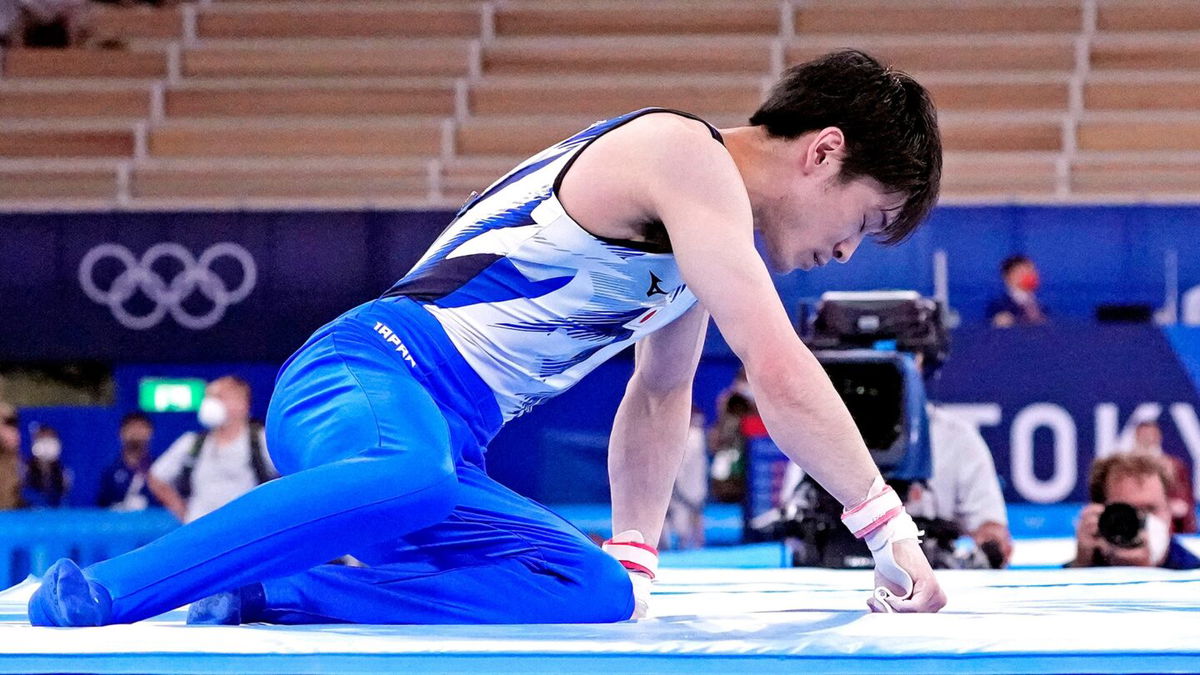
844,249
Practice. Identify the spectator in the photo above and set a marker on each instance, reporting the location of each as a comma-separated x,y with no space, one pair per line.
1128,522
10,458
202,472
685,514
1147,440
42,23
736,412
1019,304
964,488
46,481
123,486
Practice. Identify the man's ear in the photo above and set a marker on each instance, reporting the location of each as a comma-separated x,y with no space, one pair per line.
825,150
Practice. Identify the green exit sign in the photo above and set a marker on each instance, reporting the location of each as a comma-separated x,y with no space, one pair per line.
161,394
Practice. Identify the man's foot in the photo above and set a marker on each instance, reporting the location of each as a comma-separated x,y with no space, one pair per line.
67,598
227,609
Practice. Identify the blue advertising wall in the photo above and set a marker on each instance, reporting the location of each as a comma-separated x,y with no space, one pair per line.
141,291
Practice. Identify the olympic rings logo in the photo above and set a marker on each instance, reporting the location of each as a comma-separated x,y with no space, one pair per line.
168,296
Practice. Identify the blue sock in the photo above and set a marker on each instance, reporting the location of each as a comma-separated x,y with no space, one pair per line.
68,598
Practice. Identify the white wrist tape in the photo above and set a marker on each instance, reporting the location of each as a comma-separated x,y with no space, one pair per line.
630,549
880,521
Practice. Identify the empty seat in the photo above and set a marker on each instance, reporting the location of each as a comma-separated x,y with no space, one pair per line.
941,18
463,175
1140,174
623,17
1024,53
333,100
627,56
73,102
984,134
66,142
442,58
1145,53
110,63
343,20
983,94
603,97
1148,15
998,175
280,182
110,22
239,139
1141,92
1141,132
58,184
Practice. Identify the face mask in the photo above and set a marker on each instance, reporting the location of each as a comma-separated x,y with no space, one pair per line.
47,449
212,413
1028,281
135,447
1158,537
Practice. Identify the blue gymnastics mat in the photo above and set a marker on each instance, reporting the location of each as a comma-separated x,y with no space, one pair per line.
1109,620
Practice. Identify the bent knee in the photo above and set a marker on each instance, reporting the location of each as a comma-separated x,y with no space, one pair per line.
606,594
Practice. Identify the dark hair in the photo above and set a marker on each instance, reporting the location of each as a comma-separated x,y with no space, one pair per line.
131,417
1012,261
238,382
1126,464
888,119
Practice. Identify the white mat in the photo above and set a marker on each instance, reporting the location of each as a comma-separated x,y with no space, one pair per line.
1097,620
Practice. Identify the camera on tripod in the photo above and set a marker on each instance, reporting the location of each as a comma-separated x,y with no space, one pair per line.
874,347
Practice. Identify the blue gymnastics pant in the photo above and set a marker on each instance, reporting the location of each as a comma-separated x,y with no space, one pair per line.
381,451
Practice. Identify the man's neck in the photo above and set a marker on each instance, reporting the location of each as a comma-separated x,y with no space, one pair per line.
229,432
753,153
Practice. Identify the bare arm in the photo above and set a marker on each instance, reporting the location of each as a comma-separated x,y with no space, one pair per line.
697,191
168,495
650,429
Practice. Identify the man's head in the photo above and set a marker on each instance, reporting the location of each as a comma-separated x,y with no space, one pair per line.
10,429
1019,272
1141,481
1147,437
862,155
226,402
136,432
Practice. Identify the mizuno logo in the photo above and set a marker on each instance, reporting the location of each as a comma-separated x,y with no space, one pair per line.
654,288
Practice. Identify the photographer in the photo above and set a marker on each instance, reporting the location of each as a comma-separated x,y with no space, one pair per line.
1128,522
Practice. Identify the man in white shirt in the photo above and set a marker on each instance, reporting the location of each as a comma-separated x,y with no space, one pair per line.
200,473
964,488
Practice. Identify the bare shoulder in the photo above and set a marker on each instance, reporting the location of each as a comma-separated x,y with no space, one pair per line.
624,176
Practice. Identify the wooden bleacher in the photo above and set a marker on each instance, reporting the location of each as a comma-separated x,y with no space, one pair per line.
371,101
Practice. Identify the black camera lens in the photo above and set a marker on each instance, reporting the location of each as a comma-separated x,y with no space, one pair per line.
1120,525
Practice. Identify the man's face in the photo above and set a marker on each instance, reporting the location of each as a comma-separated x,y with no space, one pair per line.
136,432
1020,274
822,219
1147,436
232,395
10,433
1146,494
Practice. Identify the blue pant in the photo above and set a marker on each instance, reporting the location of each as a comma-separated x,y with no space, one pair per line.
378,426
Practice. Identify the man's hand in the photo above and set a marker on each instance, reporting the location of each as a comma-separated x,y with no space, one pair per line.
1087,536
926,595
640,560
993,532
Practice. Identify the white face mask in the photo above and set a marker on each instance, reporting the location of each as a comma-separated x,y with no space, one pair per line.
212,413
47,449
1158,537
